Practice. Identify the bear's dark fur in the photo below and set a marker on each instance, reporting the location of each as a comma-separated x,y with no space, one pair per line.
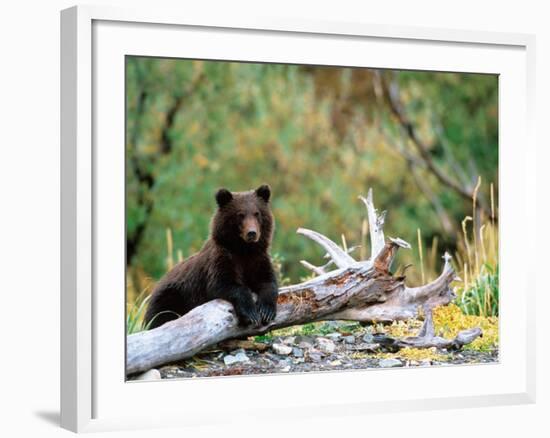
233,264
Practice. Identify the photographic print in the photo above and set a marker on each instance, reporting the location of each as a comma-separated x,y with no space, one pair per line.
299,218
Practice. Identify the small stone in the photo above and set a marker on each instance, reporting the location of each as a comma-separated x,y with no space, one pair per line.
301,338
390,363
368,338
264,362
305,345
297,352
371,348
153,374
285,369
326,345
289,340
285,350
349,339
242,357
334,336
229,359
336,363
315,356
239,357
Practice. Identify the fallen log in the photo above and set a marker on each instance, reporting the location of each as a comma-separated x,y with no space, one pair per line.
363,291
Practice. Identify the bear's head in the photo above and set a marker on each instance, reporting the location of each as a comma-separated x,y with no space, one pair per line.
243,219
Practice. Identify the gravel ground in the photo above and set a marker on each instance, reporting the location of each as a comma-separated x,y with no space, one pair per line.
312,353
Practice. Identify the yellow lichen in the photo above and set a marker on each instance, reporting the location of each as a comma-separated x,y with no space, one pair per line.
449,320
401,329
418,354
358,355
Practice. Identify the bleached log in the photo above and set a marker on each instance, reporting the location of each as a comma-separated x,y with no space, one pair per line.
314,300
363,291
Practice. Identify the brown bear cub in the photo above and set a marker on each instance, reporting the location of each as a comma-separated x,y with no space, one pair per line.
233,264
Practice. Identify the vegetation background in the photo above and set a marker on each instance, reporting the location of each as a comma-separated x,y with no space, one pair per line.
426,142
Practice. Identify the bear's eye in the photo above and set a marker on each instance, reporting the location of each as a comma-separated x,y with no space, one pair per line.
257,214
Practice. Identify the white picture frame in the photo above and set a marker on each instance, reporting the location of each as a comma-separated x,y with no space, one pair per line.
94,395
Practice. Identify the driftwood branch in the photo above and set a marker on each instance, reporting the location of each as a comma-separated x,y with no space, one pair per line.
340,257
426,337
357,290
376,225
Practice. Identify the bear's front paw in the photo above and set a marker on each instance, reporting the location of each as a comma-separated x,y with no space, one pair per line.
249,316
267,310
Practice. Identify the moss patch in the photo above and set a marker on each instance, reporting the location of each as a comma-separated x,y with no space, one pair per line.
418,354
449,320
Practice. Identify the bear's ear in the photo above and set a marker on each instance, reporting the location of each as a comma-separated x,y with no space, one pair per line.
223,196
264,192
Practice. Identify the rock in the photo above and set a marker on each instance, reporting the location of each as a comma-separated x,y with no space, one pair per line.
153,374
305,345
336,362
390,363
301,338
297,352
285,350
349,339
264,362
326,345
315,356
368,338
242,357
334,336
285,369
229,359
371,348
239,357
289,340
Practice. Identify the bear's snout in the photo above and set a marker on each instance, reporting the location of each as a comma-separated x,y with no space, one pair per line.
250,230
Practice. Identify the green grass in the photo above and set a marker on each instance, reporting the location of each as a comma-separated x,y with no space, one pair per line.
482,295
135,313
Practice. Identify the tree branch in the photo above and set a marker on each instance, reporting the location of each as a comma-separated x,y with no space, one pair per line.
391,95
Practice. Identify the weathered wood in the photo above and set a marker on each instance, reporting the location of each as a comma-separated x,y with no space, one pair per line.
362,291
376,225
427,339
